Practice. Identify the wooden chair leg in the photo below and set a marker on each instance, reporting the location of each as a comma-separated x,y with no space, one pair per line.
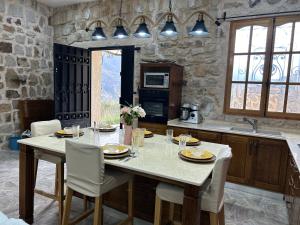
85,203
60,176
213,218
157,214
98,211
171,212
56,184
67,207
35,165
221,216
130,202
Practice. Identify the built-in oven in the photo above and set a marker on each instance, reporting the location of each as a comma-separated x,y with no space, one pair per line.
155,103
156,80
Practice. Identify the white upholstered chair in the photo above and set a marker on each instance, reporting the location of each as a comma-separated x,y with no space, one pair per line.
87,175
49,128
212,196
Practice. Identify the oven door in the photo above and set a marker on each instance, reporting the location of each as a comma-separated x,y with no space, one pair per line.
155,105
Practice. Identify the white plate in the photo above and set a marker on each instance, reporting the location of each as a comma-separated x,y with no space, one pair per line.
115,149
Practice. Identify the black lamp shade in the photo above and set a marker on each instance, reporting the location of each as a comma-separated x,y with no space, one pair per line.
120,32
199,29
142,31
98,34
169,30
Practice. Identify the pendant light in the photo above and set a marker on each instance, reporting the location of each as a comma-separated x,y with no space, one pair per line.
98,33
120,32
142,30
199,29
169,30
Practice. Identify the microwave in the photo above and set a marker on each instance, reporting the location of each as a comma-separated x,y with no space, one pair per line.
156,80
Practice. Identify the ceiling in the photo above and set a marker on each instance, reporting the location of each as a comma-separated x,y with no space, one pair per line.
59,3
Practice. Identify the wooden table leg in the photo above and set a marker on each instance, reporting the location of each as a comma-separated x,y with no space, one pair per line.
26,183
191,205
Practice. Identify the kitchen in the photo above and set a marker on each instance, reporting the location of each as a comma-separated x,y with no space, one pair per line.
204,63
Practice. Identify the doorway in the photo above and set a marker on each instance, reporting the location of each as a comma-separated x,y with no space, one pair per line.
111,82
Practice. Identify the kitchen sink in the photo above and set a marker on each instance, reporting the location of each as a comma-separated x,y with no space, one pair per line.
259,131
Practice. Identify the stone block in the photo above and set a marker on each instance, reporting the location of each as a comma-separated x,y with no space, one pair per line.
2,6
47,78
1,85
20,39
32,80
30,16
23,62
32,92
19,50
42,21
5,107
5,47
28,51
10,94
15,10
36,52
18,22
10,61
34,64
24,92
6,128
9,29
12,79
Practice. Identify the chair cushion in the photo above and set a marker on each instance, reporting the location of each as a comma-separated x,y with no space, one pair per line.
113,179
175,194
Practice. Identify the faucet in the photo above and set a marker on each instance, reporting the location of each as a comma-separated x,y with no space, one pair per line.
253,123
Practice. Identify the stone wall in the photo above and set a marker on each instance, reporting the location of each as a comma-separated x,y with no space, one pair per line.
25,59
204,59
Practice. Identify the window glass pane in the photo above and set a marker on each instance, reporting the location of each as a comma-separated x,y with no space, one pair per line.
256,67
237,96
242,40
279,67
295,68
283,37
276,98
239,68
253,96
293,103
259,38
296,46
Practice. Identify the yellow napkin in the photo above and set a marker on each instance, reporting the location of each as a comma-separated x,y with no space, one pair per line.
117,148
194,153
190,139
147,132
62,132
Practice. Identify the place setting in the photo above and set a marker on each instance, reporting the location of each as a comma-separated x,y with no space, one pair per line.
104,127
196,155
116,151
69,132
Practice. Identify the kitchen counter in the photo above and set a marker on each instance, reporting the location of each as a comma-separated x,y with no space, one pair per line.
291,136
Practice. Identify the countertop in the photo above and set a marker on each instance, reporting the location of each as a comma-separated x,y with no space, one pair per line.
291,136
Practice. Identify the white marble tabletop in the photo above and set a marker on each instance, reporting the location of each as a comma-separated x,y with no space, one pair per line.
157,157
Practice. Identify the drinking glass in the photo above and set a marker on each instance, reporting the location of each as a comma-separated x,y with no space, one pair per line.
169,135
76,130
141,136
135,141
182,141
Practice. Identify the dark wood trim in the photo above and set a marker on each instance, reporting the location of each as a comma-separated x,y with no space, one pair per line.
26,183
191,205
271,23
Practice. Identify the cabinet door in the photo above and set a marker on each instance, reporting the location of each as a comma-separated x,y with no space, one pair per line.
240,165
269,165
156,128
206,136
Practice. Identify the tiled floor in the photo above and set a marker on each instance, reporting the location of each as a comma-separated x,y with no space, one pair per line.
243,205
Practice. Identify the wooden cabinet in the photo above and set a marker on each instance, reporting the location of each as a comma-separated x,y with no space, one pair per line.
292,192
240,166
201,135
156,128
269,164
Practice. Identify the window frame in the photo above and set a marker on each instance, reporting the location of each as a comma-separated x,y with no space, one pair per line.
270,23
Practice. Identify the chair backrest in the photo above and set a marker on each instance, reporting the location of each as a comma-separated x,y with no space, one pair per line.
219,176
85,168
45,127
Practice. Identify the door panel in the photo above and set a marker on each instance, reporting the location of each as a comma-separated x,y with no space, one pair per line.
240,165
270,164
72,85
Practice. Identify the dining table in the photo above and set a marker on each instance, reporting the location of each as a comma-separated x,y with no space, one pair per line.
157,159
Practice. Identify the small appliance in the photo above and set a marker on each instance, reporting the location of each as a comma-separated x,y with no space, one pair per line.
190,113
156,80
